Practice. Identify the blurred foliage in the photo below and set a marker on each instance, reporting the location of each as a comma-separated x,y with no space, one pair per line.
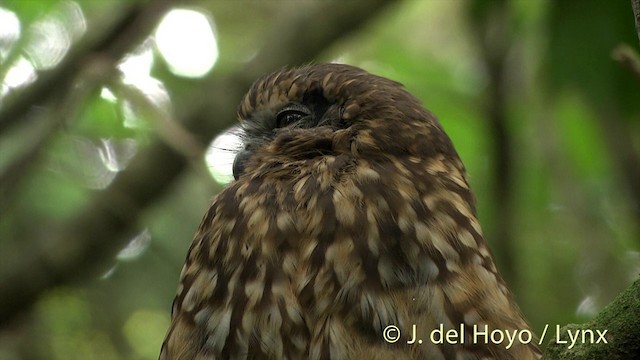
576,227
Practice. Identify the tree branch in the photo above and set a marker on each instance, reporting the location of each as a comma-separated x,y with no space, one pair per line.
89,63
620,319
45,124
95,234
111,39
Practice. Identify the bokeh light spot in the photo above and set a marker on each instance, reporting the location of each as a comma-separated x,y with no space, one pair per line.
186,41
221,153
9,31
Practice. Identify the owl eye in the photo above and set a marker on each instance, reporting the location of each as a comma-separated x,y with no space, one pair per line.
291,115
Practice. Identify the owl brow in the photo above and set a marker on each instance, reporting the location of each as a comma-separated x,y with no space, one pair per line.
255,131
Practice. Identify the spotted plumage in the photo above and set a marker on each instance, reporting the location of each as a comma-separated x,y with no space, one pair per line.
350,212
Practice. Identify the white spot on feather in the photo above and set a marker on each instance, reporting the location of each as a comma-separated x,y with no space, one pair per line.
218,326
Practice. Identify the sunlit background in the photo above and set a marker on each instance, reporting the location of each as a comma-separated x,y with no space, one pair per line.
574,224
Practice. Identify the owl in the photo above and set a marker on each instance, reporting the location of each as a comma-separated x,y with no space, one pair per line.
350,232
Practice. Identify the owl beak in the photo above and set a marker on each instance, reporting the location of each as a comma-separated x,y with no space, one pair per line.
239,162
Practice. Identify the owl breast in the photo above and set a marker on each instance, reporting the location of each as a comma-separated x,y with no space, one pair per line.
334,246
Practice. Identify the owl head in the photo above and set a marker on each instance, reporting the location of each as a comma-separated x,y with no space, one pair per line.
296,115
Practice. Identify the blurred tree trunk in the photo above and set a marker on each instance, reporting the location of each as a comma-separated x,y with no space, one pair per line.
493,31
